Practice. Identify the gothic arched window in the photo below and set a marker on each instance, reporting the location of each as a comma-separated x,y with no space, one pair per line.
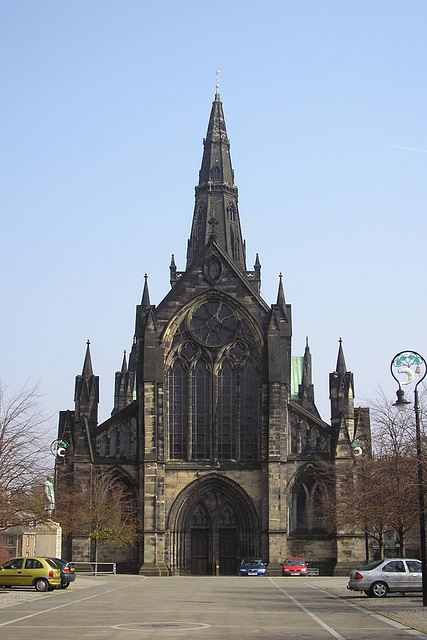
213,386
215,173
249,385
178,403
200,411
302,509
123,440
102,444
307,508
133,437
226,412
113,441
231,212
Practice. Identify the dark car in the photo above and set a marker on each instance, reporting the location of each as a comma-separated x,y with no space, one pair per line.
68,571
252,567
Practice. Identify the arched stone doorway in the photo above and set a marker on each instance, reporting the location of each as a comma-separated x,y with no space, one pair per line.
213,520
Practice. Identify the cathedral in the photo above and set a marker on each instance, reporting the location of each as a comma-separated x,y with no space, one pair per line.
214,428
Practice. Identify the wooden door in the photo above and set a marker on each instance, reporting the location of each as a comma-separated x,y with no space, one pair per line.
200,552
227,552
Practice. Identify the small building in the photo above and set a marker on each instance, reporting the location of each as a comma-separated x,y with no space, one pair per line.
17,541
43,539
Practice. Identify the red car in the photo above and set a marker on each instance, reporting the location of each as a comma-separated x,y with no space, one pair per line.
294,567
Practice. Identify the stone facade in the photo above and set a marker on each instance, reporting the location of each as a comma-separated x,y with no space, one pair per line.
214,427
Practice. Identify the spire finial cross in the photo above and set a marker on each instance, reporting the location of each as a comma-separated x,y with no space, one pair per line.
217,80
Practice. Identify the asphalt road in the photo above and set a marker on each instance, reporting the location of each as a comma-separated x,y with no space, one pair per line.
211,608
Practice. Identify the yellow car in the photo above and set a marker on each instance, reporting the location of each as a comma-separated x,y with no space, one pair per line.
40,573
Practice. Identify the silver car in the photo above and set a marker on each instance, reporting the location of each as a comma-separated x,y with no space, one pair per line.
394,574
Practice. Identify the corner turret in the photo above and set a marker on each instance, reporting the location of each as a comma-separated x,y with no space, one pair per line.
341,390
86,399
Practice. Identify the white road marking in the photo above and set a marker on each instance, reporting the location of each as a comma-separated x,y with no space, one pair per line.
325,626
378,616
61,606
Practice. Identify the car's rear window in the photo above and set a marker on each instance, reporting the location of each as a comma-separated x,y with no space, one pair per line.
372,565
51,563
59,563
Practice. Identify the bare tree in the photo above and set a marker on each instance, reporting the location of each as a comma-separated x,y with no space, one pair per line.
24,464
377,491
104,510
395,451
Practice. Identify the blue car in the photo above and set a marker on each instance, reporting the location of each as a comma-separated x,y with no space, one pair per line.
252,567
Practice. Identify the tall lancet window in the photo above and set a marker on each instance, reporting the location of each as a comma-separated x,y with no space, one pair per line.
249,386
227,427
200,411
178,410
231,212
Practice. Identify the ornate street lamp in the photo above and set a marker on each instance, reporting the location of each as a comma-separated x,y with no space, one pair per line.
412,365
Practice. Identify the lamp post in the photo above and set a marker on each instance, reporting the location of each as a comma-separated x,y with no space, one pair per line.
413,365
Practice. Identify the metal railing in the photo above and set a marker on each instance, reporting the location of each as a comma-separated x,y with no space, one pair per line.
95,568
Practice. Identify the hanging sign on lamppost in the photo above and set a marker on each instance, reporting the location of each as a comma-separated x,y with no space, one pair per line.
412,365
58,448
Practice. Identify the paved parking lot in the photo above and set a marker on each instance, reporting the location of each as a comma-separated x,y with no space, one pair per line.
211,608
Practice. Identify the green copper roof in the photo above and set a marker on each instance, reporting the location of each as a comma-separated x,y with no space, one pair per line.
296,374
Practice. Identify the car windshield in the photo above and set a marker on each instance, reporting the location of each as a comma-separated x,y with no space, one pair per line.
251,561
292,561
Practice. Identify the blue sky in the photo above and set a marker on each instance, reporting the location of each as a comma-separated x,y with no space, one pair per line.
103,110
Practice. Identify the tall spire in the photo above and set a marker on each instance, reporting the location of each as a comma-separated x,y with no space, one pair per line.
124,363
306,388
306,372
87,365
341,366
280,293
216,213
145,302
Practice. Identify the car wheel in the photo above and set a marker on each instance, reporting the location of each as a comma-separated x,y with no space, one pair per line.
379,590
64,585
41,585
